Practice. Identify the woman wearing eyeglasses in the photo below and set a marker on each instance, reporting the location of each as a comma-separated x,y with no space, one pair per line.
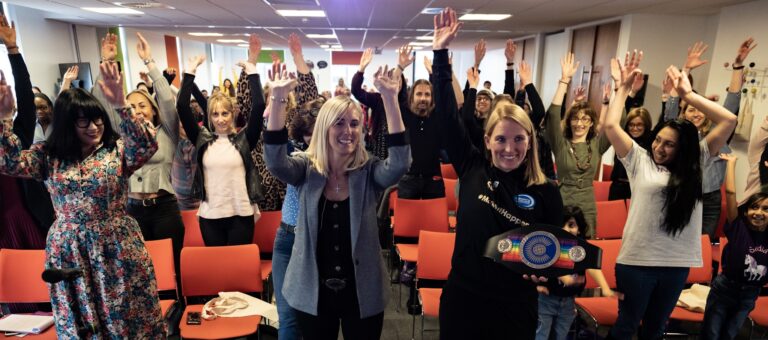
86,165
577,144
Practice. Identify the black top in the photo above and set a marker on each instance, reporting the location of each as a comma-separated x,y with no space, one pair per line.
487,203
424,136
556,287
745,257
334,240
378,115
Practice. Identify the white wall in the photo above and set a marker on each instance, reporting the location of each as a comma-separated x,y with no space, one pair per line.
89,46
736,23
134,64
555,46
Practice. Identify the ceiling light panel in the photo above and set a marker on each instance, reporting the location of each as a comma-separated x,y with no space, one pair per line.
301,13
112,10
484,17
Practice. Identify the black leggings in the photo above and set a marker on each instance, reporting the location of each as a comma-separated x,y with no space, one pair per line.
227,231
333,307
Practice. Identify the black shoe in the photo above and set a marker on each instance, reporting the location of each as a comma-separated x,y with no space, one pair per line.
414,308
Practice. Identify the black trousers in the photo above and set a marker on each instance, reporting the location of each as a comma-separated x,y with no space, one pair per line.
339,307
162,221
420,187
465,315
228,231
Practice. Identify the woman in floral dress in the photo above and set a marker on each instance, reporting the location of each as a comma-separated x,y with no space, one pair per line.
86,166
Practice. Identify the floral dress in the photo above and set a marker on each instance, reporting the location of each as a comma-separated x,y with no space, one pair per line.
117,293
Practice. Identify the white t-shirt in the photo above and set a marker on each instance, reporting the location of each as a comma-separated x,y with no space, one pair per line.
225,189
644,242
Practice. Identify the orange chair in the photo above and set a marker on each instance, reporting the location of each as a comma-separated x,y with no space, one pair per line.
701,274
607,170
161,252
717,253
453,202
435,252
628,202
192,235
206,271
611,217
412,216
759,315
603,310
448,171
264,233
601,190
21,281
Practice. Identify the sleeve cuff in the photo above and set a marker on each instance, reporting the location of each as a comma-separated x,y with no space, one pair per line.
441,57
393,139
276,137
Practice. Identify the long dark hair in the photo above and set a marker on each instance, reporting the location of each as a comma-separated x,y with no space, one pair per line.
755,198
575,213
44,97
684,187
63,143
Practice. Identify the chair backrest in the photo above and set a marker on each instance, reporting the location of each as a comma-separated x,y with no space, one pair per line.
607,170
608,264
435,252
611,217
450,194
21,278
628,202
210,270
392,200
448,171
265,230
601,190
702,274
192,235
161,252
414,215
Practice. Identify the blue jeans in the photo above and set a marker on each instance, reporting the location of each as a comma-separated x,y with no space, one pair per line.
281,255
650,295
558,312
728,306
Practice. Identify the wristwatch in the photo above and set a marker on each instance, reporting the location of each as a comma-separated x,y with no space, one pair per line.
147,61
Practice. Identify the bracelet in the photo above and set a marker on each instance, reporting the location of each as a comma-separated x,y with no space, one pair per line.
10,47
401,68
606,102
730,192
147,61
510,64
735,68
564,82
282,100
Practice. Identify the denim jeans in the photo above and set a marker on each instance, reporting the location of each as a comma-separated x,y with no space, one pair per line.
650,295
419,187
281,255
728,306
711,214
556,314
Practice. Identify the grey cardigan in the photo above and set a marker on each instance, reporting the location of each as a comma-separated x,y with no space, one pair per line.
366,185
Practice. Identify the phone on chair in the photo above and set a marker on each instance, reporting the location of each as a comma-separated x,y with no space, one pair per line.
193,318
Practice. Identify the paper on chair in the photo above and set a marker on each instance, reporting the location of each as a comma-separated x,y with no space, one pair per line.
26,323
255,306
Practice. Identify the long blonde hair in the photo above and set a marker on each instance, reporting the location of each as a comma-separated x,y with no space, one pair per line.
319,147
221,99
506,110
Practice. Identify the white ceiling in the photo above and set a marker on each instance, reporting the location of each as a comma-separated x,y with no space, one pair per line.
362,23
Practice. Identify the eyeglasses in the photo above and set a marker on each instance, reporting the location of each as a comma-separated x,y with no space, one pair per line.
636,125
84,123
483,99
585,120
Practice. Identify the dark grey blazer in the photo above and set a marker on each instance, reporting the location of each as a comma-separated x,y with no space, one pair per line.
366,184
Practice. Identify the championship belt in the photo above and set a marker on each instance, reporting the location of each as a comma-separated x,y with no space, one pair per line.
543,250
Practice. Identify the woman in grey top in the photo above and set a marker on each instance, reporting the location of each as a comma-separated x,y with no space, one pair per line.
336,273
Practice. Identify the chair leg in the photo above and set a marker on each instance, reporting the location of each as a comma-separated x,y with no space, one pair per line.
751,327
422,326
413,327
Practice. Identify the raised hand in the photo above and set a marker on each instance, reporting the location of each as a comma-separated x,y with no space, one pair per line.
71,74
365,59
568,65
6,98
446,28
693,60
275,57
730,157
193,63
280,81
145,51
667,86
638,83
111,83
607,92
479,52
473,77
248,67
144,77
254,47
679,81
428,64
509,50
405,56
579,94
616,72
109,47
746,47
631,62
7,32
526,74
294,44
387,82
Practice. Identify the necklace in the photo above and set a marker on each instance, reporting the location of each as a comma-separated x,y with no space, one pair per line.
579,164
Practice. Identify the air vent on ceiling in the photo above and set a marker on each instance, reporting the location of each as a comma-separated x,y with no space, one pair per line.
144,5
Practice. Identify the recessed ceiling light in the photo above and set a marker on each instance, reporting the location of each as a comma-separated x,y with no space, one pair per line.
325,46
431,10
485,17
336,46
417,47
205,34
211,26
322,36
301,13
112,10
419,43
430,38
232,41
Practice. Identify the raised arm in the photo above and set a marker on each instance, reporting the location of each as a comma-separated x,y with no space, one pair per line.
389,172
731,206
14,159
186,115
108,56
368,99
69,76
256,118
537,106
166,101
294,43
474,129
724,121
554,130
509,75
693,59
612,128
24,125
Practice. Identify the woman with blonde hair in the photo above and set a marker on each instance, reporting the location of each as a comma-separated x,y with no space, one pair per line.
336,274
498,193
